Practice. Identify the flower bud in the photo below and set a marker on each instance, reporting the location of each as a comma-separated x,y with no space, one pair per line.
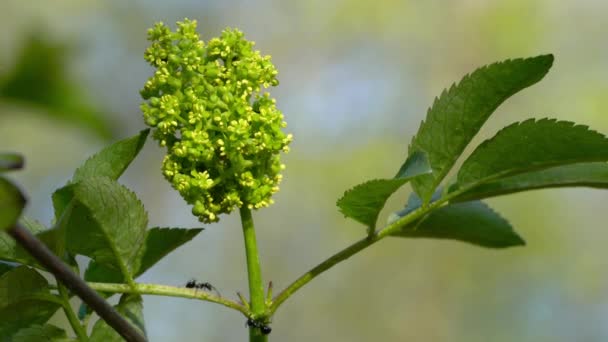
222,133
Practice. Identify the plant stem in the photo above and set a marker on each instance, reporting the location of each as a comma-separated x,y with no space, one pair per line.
254,272
63,273
169,291
78,328
350,251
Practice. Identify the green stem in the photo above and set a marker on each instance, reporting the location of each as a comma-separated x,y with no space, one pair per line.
350,251
78,328
256,287
170,291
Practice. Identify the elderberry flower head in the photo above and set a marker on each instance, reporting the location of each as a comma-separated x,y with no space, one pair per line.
222,132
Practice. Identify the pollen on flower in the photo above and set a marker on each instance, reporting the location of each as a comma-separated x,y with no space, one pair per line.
222,130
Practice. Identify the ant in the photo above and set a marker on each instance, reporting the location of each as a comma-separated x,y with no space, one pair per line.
263,327
193,284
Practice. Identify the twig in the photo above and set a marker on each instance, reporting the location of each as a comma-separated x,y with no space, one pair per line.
62,272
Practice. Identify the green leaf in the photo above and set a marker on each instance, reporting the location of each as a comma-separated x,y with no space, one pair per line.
458,114
364,202
159,243
528,146
25,299
110,162
131,308
41,333
12,203
6,266
107,223
113,160
11,251
10,161
472,222
162,241
593,175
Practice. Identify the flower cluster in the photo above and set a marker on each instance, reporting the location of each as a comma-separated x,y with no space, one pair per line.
222,132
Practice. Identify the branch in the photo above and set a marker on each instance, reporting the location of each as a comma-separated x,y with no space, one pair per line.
170,291
63,273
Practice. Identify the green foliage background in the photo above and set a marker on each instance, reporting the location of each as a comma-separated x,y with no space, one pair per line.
356,79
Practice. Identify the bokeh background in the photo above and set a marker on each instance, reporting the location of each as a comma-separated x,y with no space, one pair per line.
356,79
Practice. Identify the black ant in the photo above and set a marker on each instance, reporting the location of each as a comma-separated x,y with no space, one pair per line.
263,327
193,284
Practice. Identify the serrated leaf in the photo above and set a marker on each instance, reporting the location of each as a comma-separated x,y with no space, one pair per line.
12,203
113,160
364,202
458,114
473,222
593,175
528,146
162,241
10,250
159,243
25,299
107,223
41,333
10,161
131,308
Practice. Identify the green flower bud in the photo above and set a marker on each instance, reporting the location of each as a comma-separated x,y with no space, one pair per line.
222,132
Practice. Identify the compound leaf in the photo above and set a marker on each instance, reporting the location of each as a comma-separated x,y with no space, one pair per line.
458,114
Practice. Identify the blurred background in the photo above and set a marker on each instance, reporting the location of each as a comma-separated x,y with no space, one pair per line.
356,78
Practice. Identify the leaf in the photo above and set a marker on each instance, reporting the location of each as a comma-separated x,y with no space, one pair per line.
528,146
11,251
110,162
7,266
364,202
416,164
62,198
41,333
107,223
159,243
25,299
472,222
131,308
593,175
458,114
12,203
113,160
10,161
162,241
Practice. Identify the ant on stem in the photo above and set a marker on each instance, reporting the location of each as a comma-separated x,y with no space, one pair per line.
193,284
256,324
